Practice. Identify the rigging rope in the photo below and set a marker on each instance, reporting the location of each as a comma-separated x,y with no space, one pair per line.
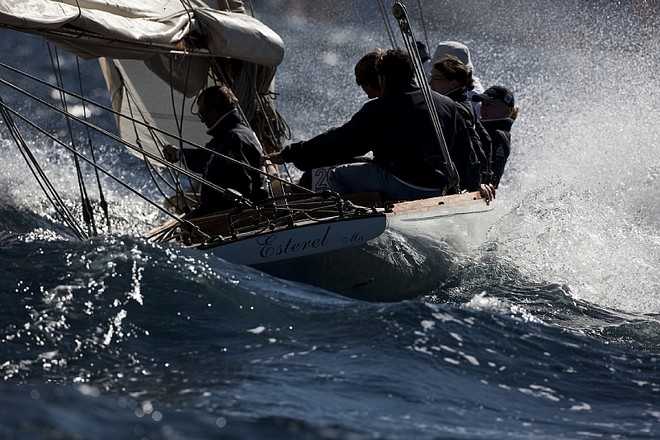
179,124
6,110
104,203
48,189
386,21
421,15
88,211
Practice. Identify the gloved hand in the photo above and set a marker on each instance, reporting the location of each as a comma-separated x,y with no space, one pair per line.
171,153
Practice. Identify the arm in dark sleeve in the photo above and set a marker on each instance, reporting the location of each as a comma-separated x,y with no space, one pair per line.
487,148
466,158
335,146
326,149
196,159
501,151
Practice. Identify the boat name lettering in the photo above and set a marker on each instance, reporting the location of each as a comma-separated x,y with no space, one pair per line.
270,247
355,238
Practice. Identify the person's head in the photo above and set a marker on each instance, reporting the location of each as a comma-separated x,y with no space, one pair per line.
214,102
449,74
497,102
455,49
366,74
395,70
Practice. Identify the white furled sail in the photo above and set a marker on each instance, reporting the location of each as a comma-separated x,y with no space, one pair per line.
93,28
135,30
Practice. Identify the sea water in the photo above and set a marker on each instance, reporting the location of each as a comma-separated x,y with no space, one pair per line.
549,330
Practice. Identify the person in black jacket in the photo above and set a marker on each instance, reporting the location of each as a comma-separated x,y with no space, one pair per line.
498,111
453,79
407,160
366,77
232,138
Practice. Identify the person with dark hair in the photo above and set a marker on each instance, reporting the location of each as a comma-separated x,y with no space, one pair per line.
453,79
498,111
366,77
407,160
366,74
217,108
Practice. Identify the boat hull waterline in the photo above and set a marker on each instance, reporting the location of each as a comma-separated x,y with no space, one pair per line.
400,254
301,241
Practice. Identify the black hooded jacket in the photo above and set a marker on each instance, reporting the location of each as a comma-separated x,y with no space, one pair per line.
232,138
480,141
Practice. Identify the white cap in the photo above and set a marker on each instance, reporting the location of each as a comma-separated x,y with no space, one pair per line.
453,48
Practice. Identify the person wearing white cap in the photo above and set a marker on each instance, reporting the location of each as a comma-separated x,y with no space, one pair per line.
459,50
453,79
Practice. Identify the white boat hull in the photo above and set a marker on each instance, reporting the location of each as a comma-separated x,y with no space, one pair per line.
419,249
301,242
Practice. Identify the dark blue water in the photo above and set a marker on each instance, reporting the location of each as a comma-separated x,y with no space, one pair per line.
549,330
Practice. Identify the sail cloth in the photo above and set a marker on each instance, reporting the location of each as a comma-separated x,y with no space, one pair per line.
131,29
224,29
155,54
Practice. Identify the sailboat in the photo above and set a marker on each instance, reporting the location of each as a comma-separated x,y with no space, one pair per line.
156,56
